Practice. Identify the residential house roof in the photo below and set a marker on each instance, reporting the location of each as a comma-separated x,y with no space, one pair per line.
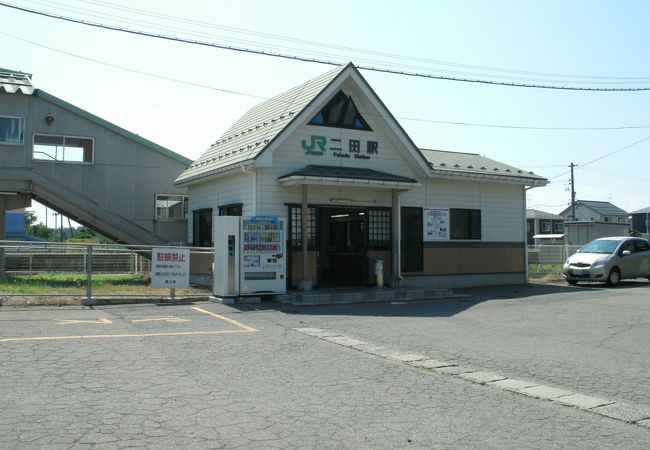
603,208
537,214
642,211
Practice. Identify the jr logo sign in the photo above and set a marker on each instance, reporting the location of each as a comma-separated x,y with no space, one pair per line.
316,147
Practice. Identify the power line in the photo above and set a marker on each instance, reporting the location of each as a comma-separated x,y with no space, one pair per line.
603,156
229,91
318,61
199,23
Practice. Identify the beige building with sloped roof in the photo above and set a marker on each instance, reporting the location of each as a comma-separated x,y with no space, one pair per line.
330,157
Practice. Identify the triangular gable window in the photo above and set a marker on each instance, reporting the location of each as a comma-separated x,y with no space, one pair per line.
340,112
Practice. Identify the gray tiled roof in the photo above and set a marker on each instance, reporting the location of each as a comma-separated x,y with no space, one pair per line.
537,214
603,208
256,129
12,82
642,211
442,161
348,173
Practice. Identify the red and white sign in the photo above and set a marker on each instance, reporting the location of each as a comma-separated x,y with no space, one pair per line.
170,267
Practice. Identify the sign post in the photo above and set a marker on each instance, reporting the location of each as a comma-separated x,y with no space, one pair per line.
170,268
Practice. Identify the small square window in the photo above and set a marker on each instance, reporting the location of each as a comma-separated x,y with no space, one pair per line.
11,130
171,207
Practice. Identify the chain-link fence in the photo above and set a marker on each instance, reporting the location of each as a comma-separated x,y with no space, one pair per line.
547,259
89,270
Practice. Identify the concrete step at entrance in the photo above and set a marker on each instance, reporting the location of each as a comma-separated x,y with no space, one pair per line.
334,296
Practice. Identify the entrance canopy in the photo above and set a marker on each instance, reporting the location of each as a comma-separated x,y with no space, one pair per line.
347,176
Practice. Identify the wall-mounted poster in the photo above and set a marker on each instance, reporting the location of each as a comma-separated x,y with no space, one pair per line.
436,224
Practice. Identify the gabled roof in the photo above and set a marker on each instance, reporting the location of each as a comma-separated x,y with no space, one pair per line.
603,208
256,129
13,82
642,211
537,214
471,164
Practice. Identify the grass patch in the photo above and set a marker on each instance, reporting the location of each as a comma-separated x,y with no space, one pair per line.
67,282
545,268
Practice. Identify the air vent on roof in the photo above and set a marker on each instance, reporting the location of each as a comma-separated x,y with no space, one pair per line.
470,167
496,169
483,168
456,165
519,171
507,170
443,165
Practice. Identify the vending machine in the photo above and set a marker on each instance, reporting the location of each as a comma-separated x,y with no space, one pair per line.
263,257
249,256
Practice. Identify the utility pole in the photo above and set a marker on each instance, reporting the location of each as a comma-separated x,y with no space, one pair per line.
573,194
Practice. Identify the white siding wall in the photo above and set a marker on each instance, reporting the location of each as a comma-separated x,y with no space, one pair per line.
290,157
502,205
235,188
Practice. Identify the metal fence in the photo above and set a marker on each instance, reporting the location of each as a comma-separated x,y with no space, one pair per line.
549,258
88,269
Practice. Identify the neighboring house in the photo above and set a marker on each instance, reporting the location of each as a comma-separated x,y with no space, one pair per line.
641,220
543,223
90,170
332,149
592,211
594,220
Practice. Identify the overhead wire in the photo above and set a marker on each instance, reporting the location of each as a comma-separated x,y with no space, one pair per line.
346,48
319,61
234,92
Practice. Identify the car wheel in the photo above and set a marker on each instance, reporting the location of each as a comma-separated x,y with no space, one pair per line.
572,282
614,277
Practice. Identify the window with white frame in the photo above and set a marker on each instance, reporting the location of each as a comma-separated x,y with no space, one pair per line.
74,149
171,207
11,130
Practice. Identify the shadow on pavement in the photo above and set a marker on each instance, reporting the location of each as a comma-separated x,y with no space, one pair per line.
463,299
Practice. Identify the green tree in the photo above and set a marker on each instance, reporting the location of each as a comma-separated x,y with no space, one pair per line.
41,231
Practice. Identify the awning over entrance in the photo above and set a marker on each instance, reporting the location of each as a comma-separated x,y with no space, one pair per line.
346,176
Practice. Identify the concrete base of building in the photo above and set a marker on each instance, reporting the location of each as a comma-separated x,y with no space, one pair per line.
462,281
222,300
305,285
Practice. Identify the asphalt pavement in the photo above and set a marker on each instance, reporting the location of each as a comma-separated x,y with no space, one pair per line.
205,375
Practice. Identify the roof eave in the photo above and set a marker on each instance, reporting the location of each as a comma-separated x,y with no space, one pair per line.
513,179
215,173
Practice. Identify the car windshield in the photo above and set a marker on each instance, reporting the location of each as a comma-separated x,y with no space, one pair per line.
600,246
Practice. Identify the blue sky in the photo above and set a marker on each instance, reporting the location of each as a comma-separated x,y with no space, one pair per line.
580,43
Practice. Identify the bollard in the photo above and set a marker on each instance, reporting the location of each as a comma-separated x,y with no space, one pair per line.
89,271
379,272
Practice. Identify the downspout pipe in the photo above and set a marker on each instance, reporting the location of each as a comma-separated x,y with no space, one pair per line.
244,169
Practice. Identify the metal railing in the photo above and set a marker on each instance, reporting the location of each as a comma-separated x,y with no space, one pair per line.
549,258
88,269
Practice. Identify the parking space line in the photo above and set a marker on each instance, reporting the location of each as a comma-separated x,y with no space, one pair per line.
219,316
106,336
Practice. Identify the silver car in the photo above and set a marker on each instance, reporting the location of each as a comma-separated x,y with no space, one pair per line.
610,260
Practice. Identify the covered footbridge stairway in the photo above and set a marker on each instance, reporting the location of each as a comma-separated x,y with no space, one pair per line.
107,178
21,185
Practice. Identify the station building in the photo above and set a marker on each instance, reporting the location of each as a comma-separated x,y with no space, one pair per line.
330,157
